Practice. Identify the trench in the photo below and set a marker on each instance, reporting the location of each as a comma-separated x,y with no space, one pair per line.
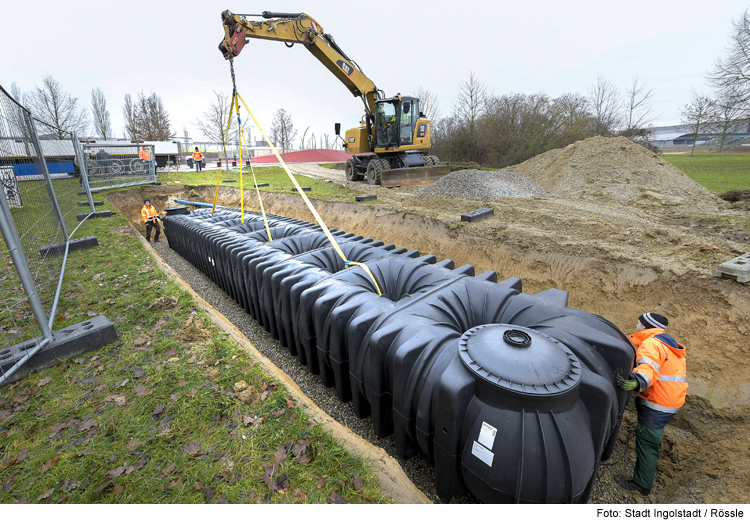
705,457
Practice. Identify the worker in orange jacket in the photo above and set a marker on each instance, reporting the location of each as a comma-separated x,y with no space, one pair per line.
150,218
660,379
198,159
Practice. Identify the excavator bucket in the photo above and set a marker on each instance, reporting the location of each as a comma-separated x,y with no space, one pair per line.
415,175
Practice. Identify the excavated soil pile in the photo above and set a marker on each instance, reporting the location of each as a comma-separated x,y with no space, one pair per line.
614,169
483,186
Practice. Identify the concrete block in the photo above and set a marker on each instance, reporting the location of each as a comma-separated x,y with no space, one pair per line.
229,181
66,343
100,214
369,197
306,189
737,269
76,244
477,215
262,185
87,204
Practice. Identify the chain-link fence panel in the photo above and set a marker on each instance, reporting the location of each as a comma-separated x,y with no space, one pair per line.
110,165
33,229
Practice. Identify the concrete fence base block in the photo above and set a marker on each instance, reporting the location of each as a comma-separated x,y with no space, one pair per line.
306,189
477,215
87,204
100,214
75,245
369,197
66,343
262,185
737,269
229,181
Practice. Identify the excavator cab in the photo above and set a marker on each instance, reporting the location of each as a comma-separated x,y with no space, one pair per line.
394,121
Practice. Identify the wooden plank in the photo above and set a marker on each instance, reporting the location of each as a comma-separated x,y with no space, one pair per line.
419,175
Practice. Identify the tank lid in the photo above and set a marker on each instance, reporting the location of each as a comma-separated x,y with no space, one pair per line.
519,359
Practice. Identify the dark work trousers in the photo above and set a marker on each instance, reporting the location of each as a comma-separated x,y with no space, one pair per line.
198,165
647,445
149,225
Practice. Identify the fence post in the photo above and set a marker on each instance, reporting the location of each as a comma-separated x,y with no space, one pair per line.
83,169
152,170
10,234
45,171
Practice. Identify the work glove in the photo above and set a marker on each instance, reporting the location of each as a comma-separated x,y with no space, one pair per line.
629,384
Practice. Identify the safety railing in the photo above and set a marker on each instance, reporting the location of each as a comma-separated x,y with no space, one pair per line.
111,165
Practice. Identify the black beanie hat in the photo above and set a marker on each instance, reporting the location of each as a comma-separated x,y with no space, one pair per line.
652,320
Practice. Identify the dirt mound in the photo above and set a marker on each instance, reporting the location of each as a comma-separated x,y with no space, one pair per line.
478,185
614,169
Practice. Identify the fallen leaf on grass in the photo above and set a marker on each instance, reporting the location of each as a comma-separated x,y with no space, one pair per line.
49,464
114,473
278,414
141,390
120,400
56,429
191,393
97,277
91,313
208,492
182,383
299,496
267,472
141,340
289,403
79,360
42,412
123,383
191,449
248,420
88,425
103,486
158,325
44,381
279,456
5,414
133,443
337,499
304,459
158,410
46,495
321,482
167,470
117,490
142,461
359,484
281,484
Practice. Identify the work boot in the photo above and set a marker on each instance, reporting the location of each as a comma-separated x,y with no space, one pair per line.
156,239
632,486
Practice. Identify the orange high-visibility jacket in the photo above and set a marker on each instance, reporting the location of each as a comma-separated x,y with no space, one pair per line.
660,361
198,156
148,213
145,155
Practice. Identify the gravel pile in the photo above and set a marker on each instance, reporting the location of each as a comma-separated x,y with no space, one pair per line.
418,468
479,185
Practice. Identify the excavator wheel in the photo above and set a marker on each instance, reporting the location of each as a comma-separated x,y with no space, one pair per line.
374,171
351,172
433,160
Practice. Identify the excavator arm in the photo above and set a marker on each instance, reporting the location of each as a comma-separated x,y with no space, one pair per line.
299,28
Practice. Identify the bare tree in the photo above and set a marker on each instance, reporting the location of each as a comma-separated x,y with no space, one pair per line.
730,116
472,101
731,73
58,111
282,130
130,129
216,125
698,115
428,103
573,119
102,119
302,141
146,118
16,113
606,106
638,110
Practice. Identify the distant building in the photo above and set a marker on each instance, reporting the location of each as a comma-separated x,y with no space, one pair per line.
680,136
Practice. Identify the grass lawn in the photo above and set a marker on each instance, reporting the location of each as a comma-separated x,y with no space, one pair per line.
158,417
275,176
718,172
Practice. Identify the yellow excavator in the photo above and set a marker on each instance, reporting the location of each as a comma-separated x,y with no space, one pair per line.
391,143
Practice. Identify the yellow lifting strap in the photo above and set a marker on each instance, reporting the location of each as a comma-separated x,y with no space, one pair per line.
320,221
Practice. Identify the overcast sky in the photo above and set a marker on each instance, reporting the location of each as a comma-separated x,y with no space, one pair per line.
554,47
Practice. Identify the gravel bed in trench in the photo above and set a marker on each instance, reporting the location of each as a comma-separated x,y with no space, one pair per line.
418,468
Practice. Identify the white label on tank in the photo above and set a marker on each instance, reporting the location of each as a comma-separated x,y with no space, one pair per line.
487,435
481,452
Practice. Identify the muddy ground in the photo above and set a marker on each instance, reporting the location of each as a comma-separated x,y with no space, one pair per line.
616,259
